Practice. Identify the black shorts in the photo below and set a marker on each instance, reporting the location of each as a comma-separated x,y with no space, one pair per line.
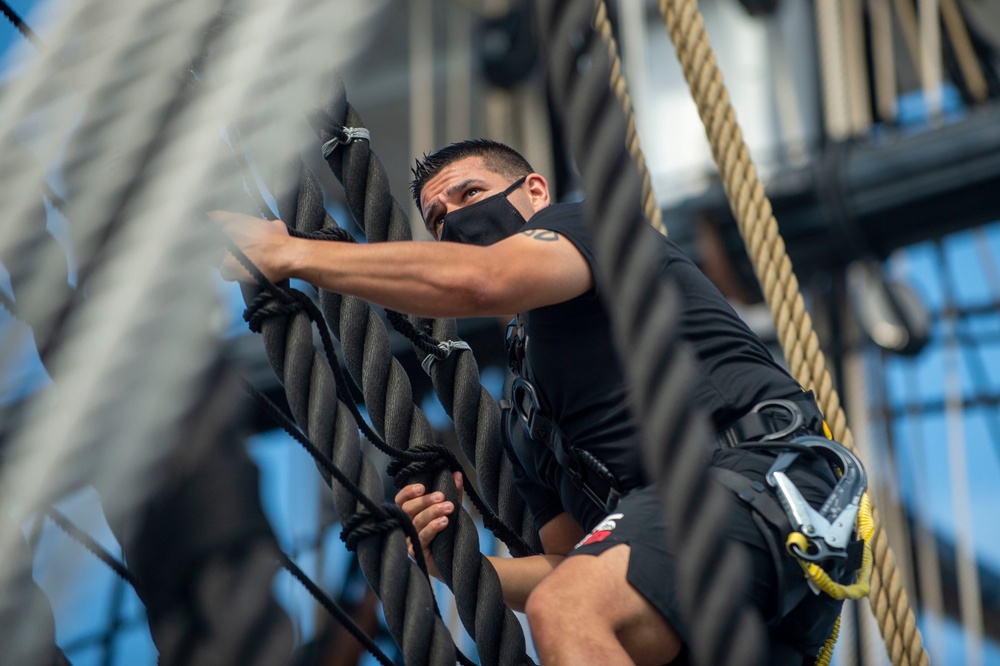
639,522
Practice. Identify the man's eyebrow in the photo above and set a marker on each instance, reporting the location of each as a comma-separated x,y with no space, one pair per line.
450,192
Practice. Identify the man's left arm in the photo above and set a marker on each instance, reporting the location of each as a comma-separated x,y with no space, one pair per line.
429,279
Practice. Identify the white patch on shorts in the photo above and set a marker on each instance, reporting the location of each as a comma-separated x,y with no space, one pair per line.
602,531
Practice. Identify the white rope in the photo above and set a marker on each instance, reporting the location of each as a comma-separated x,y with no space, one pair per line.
137,347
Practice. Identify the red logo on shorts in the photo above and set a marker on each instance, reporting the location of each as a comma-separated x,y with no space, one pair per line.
602,531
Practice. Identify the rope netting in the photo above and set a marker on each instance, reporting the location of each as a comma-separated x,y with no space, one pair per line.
473,410
601,132
310,386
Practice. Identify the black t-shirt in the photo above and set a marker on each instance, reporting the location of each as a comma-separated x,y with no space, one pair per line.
575,368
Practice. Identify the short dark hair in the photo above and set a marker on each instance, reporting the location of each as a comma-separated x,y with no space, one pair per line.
497,157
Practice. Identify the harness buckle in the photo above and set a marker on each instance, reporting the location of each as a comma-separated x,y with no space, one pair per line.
529,411
794,411
514,343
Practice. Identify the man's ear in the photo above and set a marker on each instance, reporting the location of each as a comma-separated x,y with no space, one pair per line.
538,191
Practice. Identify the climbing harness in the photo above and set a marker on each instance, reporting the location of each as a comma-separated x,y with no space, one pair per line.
524,400
819,540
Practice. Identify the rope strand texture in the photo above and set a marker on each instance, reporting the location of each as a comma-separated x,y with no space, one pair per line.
311,391
766,249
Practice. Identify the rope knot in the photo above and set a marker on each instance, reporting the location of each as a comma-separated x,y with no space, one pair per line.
427,457
269,304
370,522
442,351
343,136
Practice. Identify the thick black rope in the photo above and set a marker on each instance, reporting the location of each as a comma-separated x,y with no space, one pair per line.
645,309
479,587
311,389
456,380
407,463
21,26
388,397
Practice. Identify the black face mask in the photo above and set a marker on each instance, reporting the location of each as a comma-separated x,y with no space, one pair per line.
484,222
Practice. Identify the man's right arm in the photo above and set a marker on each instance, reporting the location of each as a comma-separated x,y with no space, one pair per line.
526,271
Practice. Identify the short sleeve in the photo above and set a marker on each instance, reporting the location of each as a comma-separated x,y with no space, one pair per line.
567,220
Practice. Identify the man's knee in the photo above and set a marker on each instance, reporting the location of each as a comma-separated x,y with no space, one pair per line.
591,598
545,604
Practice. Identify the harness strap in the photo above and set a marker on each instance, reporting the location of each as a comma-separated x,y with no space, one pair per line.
771,519
755,494
581,466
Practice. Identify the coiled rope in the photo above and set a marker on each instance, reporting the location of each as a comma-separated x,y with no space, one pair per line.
645,310
773,268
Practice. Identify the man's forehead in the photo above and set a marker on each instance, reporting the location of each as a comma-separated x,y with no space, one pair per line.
463,169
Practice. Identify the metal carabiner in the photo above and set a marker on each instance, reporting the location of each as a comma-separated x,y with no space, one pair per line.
827,530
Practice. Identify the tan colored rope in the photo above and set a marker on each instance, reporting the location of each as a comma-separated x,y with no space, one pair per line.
883,58
652,210
855,67
907,16
774,271
833,70
968,62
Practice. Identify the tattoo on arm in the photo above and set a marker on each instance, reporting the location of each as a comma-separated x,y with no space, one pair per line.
541,234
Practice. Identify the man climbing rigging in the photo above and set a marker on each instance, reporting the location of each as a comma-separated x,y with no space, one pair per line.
602,592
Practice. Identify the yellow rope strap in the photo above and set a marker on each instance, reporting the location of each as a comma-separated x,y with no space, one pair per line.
766,248
821,579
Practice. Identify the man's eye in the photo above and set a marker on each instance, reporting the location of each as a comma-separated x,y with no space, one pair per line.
472,191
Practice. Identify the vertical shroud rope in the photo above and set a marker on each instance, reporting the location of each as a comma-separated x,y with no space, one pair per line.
773,268
645,309
389,399
456,380
311,391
